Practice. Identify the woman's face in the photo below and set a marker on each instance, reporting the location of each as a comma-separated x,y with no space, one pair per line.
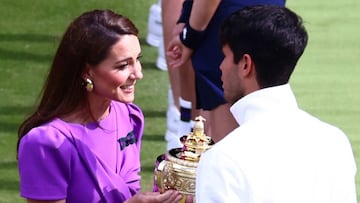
115,77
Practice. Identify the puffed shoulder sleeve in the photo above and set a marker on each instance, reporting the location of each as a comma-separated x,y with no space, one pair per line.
137,119
44,160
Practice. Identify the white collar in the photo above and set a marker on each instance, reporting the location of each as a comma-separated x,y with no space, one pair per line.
276,98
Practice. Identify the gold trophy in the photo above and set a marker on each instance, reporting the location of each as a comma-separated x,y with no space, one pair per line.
178,170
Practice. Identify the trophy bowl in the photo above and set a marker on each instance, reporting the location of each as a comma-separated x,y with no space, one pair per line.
176,173
178,169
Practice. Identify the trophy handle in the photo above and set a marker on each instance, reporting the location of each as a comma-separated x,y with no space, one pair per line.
159,176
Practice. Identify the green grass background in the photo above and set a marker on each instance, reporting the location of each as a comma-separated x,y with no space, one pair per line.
326,81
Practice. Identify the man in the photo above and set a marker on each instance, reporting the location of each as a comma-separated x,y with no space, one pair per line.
279,153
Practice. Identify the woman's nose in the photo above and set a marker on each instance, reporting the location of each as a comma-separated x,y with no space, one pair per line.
137,72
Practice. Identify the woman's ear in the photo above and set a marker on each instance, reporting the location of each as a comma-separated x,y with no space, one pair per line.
87,72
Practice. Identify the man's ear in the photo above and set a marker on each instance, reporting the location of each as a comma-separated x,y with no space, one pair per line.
246,65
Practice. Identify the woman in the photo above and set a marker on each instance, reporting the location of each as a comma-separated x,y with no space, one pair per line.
82,143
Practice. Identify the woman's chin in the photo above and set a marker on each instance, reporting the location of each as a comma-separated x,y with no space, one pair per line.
128,99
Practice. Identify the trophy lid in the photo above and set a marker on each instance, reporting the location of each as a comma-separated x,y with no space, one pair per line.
196,142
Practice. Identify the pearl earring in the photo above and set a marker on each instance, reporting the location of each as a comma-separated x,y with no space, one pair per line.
89,85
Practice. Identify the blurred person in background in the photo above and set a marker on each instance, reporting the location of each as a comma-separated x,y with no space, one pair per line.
196,38
182,82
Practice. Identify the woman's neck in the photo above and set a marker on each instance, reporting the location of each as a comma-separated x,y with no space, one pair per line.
93,112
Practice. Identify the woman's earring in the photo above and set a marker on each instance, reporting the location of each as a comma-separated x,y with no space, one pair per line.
89,85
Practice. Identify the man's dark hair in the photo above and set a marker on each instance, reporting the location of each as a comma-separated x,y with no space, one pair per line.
273,36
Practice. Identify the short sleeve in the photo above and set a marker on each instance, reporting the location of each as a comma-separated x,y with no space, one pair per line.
137,119
44,163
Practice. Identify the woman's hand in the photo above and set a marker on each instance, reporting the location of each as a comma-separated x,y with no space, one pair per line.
169,196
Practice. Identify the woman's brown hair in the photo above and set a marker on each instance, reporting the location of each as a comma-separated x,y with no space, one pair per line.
87,40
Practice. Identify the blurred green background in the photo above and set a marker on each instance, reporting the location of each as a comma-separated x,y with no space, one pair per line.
325,82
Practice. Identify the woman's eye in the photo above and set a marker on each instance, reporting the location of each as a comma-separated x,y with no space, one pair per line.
123,65
139,58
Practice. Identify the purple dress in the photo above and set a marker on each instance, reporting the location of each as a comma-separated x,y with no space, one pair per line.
83,163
